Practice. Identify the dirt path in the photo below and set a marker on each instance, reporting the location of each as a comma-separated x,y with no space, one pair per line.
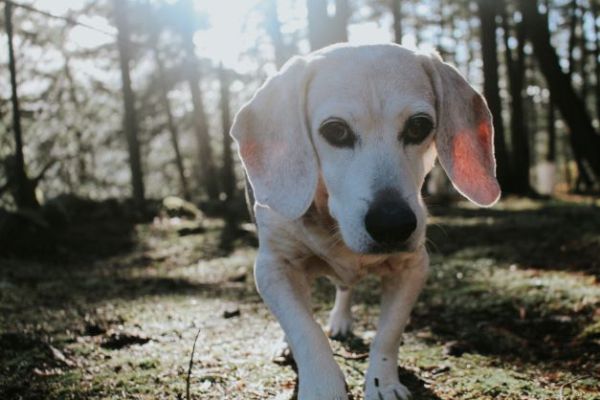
510,312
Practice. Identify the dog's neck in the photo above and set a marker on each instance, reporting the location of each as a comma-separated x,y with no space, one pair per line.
318,211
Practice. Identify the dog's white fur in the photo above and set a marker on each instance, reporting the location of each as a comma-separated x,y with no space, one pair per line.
312,198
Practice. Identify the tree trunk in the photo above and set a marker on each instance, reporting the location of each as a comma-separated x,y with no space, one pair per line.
583,178
340,21
551,154
572,37
274,31
518,127
173,131
228,174
487,16
81,149
532,115
130,124
397,14
442,25
596,57
585,55
584,87
418,26
551,124
584,140
471,45
22,188
323,29
208,177
318,20
452,29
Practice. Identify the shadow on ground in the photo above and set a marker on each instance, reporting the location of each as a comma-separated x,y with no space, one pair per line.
506,283
517,313
516,285
555,236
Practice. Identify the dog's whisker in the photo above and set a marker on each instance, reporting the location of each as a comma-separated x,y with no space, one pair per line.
429,241
440,227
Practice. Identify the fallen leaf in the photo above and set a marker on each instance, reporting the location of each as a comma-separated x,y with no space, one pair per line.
118,340
231,313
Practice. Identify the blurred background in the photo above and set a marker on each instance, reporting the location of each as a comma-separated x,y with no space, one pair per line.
124,230
133,99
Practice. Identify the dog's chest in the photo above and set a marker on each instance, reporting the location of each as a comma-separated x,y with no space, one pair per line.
320,250
328,255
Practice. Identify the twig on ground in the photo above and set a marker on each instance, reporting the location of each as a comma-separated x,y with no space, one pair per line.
562,387
352,356
189,374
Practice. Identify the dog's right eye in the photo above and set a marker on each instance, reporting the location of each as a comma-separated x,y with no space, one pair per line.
337,133
417,129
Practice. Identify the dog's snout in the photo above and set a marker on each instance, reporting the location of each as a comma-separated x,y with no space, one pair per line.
390,220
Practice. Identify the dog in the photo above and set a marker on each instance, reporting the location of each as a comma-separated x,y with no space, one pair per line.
336,147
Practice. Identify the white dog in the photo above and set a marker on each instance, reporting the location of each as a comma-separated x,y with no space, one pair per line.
336,147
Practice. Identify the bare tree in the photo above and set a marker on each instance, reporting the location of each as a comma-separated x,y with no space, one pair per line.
207,166
396,6
228,175
551,153
444,19
573,39
74,98
324,29
595,16
487,15
273,26
22,187
551,114
515,65
171,125
585,142
130,123
585,55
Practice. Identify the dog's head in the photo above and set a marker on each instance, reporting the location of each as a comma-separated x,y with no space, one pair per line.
368,121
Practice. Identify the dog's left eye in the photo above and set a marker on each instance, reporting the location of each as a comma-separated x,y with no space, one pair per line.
417,129
337,133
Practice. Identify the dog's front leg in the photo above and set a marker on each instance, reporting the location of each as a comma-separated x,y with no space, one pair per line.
340,320
400,290
285,288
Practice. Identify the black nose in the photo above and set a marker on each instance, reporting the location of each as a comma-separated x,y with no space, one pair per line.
390,221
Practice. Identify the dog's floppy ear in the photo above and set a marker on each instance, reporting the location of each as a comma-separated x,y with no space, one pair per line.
465,134
274,143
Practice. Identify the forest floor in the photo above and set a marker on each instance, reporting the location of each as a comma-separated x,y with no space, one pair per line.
511,311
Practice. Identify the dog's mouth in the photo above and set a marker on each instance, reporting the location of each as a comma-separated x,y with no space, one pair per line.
373,248
391,248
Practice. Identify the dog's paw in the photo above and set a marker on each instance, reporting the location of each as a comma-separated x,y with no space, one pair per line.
393,391
282,354
339,326
328,386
